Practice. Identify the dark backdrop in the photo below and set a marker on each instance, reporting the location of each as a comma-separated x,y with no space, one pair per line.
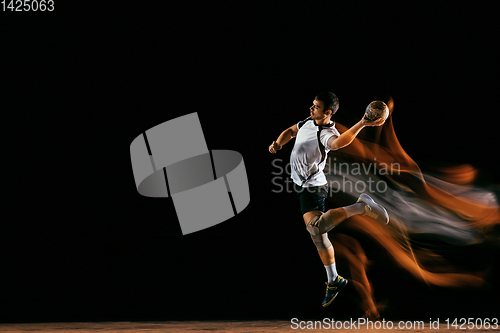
80,83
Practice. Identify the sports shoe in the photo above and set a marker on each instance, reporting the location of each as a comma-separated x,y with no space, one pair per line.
373,209
332,290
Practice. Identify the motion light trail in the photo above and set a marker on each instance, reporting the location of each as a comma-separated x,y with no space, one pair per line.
446,210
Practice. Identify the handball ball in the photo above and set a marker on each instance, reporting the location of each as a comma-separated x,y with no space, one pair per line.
377,109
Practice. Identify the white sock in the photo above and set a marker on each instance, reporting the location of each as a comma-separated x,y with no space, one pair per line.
355,209
331,272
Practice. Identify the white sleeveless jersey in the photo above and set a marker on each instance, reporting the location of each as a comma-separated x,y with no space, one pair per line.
308,158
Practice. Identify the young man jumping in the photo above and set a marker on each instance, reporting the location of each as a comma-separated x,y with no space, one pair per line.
315,137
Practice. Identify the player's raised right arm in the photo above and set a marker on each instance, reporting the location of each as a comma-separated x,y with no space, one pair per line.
285,136
348,136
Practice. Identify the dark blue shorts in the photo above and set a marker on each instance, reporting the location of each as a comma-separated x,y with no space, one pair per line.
311,198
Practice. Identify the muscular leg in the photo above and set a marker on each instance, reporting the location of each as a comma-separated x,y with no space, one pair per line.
327,256
335,282
321,223
318,224
338,215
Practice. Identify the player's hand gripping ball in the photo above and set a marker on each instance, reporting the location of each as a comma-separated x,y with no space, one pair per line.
376,110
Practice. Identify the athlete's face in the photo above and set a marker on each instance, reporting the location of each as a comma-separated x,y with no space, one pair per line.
317,111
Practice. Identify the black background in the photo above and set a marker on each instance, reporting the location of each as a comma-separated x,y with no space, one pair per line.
80,83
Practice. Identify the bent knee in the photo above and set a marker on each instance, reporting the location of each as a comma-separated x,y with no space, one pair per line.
320,224
310,215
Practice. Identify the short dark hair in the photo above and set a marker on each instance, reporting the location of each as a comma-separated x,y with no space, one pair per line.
330,101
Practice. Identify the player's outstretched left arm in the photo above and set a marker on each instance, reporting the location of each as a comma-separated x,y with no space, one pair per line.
284,137
345,139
